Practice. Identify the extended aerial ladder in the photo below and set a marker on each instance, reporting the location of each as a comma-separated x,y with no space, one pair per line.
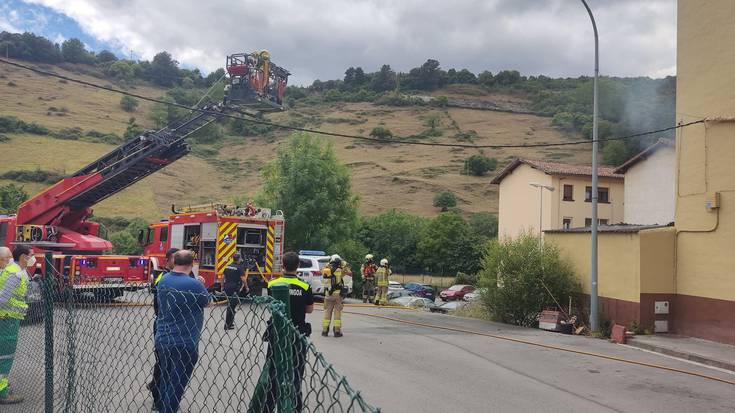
56,218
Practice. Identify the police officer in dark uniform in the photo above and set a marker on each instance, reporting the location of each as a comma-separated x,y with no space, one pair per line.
301,303
233,285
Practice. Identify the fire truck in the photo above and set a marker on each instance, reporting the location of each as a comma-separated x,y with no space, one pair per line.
214,233
57,219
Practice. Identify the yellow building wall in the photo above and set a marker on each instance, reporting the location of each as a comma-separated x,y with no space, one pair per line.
578,209
657,260
518,202
619,255
706,154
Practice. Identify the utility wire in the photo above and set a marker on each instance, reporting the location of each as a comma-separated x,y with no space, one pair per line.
343,135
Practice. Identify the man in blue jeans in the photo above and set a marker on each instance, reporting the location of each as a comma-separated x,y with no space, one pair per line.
181,302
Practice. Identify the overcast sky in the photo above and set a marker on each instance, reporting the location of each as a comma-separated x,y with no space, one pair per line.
319,39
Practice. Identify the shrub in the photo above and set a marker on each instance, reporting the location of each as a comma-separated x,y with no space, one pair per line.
380,132
463,278
4,138
74,133
479,165
445,200
10,124
37,175
35,128
514,272
128,104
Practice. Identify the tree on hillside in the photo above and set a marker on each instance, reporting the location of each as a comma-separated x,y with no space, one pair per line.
484,225
105,56
28,46
11,196
445,200
426,77
73,51
121,70
380,132
384,80
508,77
394,235
133,129
447,246
479,165
314,189
486,79
128,104
164,70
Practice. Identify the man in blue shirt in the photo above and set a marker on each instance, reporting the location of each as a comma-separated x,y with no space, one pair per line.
181,302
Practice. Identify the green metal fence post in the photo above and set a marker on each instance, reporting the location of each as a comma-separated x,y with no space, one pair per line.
48,318
283,350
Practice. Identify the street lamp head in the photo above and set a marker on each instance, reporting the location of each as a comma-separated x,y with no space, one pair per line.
537,185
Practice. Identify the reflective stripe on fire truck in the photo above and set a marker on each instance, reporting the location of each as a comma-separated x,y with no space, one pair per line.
269,249
226,241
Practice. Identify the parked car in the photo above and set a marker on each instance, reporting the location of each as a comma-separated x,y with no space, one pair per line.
456,292
421,290
475,295
447,307
398,292
394,285
310,271
412,302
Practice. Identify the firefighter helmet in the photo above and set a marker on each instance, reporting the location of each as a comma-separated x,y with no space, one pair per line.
384,262
369,257
335,258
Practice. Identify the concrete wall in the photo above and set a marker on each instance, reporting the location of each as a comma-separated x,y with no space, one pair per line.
650,189
619,255
518,202
705,262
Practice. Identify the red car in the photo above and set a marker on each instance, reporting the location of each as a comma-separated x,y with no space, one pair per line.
456,292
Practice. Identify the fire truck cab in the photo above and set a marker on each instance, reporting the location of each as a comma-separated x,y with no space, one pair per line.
214,233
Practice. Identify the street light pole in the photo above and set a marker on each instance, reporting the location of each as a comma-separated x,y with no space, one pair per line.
594,300
541,188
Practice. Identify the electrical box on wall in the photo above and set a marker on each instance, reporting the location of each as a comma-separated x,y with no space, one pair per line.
712,201
661,307
661,326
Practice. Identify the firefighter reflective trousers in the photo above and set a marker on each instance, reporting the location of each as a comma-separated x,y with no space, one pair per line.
333,306
8,341
382,295
368,290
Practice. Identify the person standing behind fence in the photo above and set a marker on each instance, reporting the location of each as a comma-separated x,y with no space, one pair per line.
157,275
13,307
382,276
332,275
181,303
232,286
301,303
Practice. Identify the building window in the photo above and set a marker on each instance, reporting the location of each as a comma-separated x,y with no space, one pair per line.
566,223
164,234
600,221
569,192
603,194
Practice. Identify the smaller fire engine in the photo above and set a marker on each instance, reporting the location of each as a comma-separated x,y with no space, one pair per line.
214,233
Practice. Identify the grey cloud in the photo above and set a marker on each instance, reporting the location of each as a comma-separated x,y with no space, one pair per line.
320,38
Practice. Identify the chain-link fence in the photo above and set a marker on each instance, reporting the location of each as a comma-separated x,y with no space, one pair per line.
80,352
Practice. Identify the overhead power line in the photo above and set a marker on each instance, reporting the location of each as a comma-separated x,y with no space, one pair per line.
400,141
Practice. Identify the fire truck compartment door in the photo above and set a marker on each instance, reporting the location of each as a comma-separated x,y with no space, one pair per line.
209,231
177,236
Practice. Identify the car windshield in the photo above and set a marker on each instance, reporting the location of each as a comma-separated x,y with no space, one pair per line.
456,288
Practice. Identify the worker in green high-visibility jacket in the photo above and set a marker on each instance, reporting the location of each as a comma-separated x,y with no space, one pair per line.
13,307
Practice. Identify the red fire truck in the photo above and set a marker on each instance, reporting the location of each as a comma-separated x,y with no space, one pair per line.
214,233
56,219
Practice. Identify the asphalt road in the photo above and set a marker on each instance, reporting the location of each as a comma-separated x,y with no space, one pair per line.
395,366
405,368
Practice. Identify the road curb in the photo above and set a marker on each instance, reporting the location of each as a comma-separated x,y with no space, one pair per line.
682,355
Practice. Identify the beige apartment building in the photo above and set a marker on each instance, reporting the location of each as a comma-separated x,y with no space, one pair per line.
525,192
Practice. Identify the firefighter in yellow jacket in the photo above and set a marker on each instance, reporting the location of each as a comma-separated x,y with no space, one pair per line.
334,288
381,277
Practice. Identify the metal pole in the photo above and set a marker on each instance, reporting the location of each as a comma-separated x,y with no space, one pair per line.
594,300
48,327
540,214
